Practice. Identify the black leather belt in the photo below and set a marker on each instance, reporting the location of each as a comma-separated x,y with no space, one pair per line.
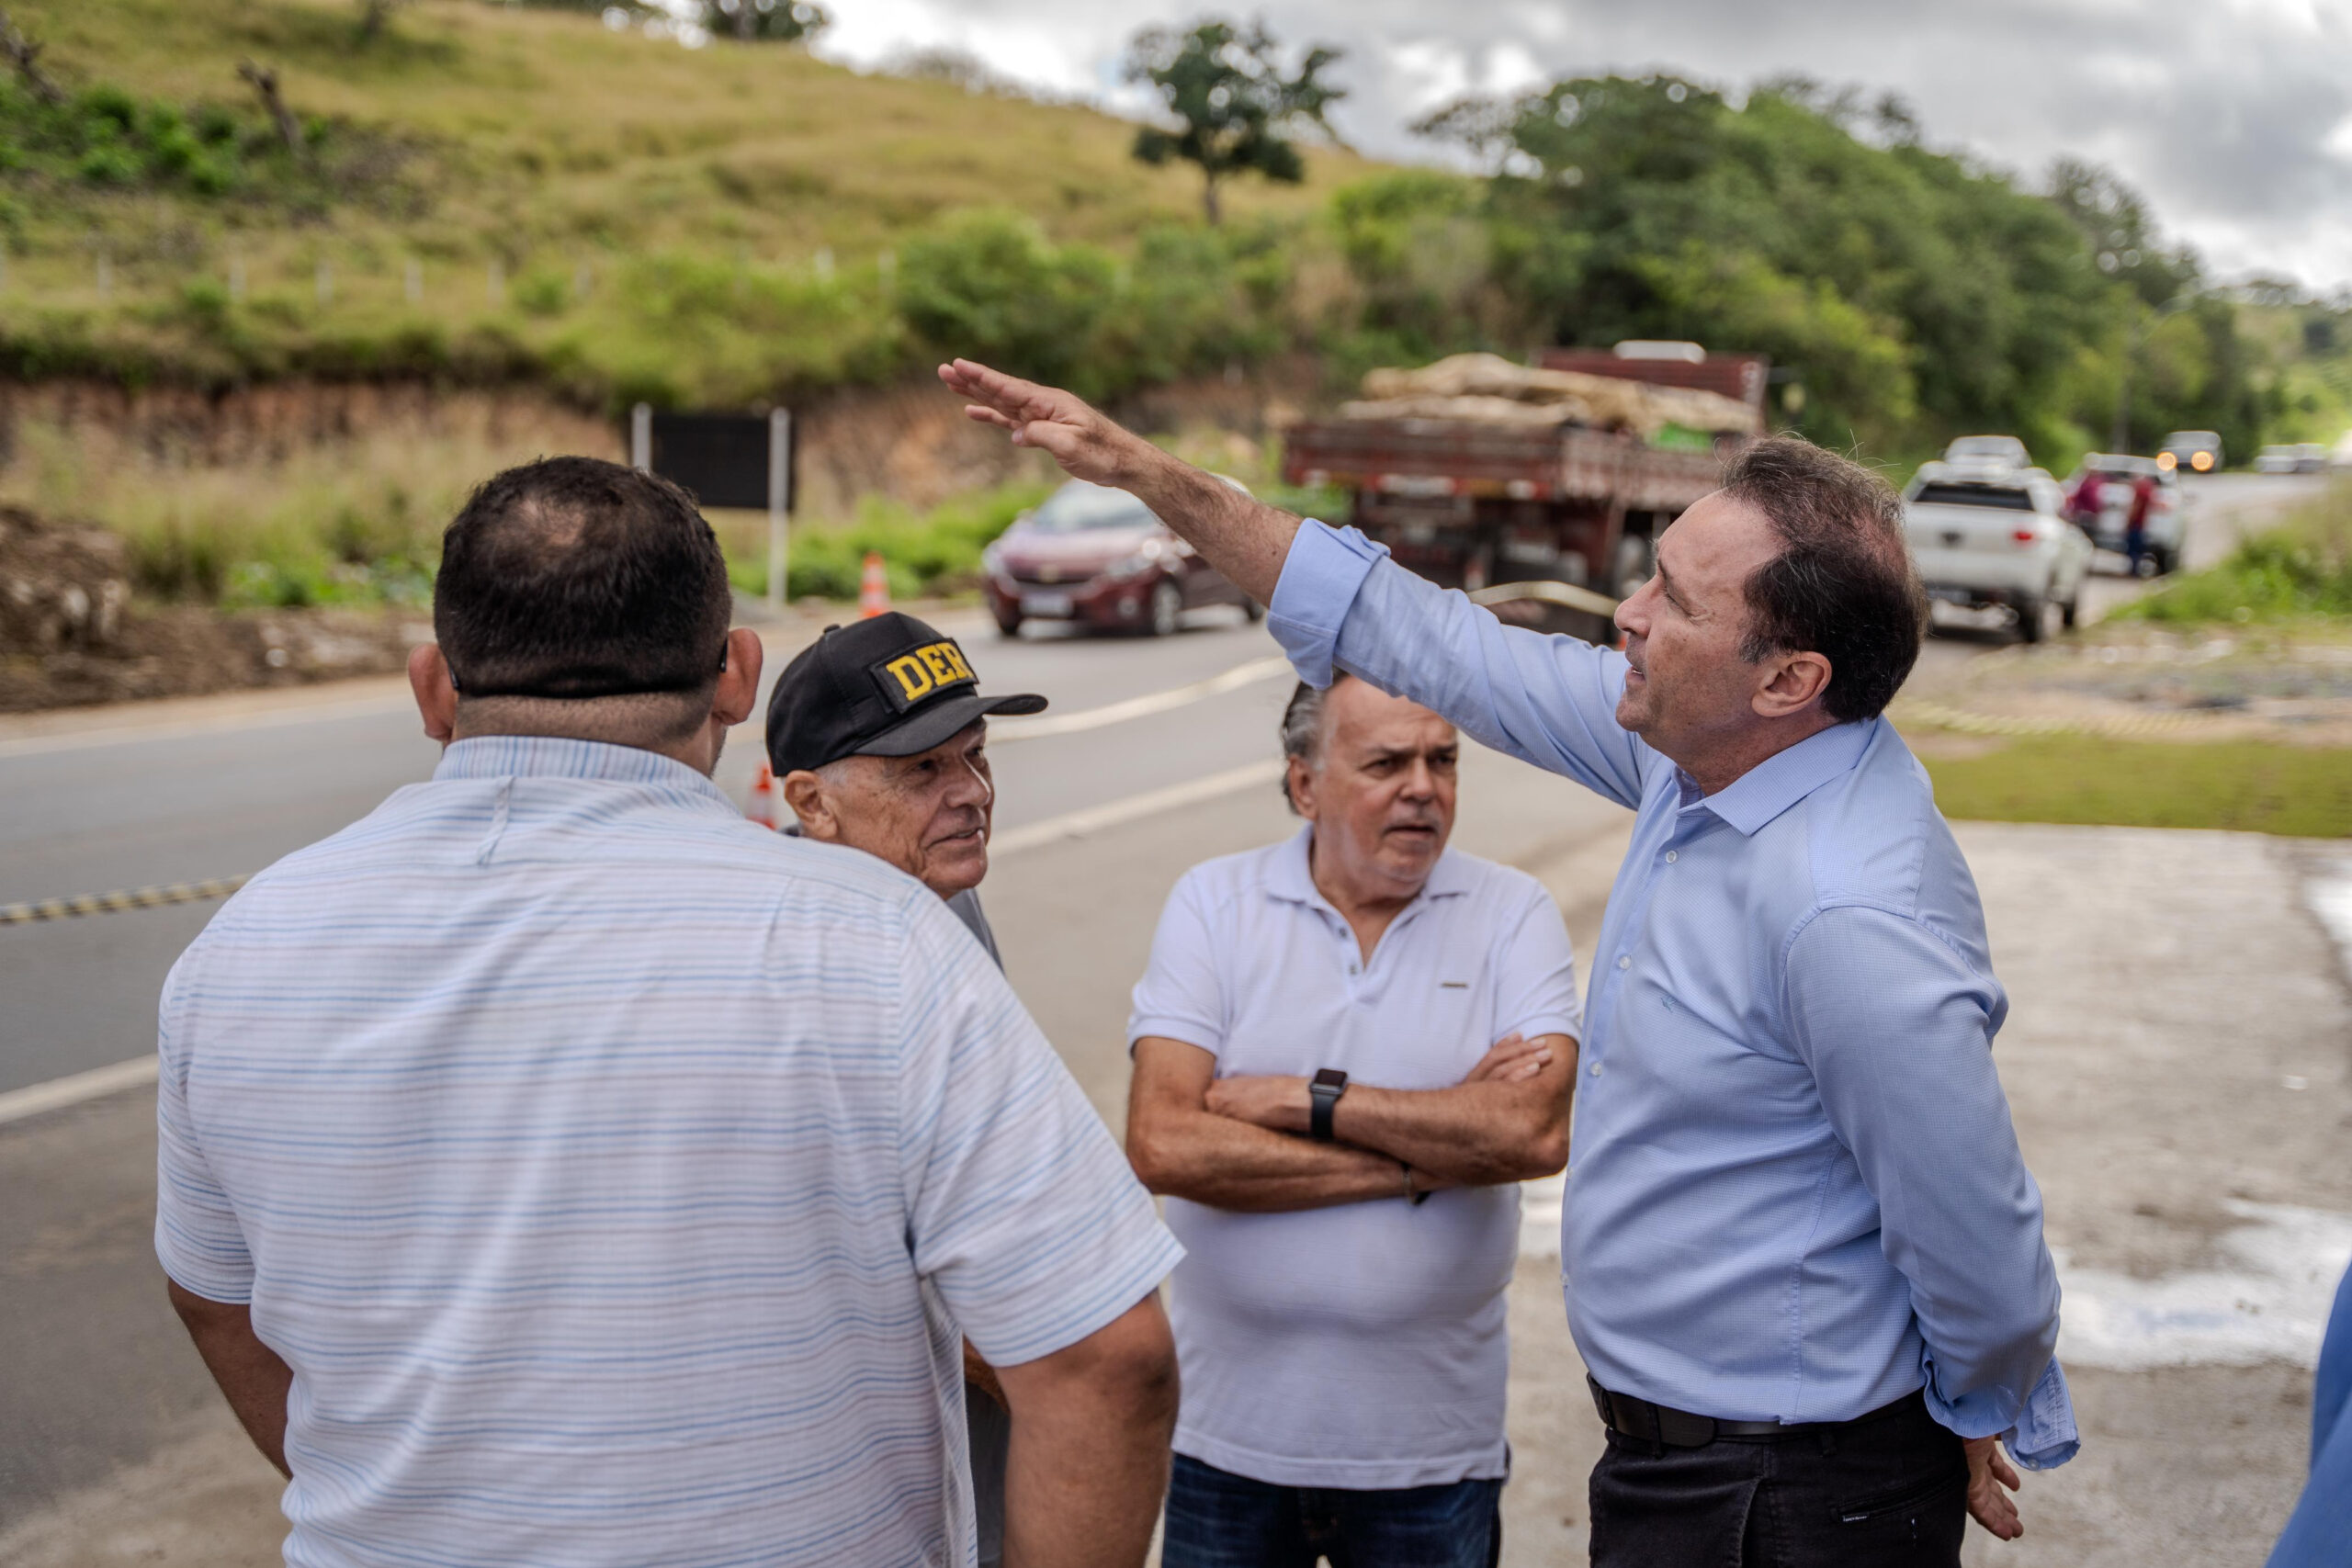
1661,1426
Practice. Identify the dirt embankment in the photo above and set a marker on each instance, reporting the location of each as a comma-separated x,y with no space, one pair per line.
70,634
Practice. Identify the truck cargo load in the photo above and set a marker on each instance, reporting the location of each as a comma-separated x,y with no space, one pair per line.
1476,472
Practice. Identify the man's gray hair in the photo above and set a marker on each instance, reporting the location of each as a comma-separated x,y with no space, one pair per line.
1302,729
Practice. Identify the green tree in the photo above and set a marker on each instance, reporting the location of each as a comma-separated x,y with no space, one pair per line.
765,21
1912,293
1235,105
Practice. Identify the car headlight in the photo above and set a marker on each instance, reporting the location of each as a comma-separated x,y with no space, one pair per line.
992,560
1136,565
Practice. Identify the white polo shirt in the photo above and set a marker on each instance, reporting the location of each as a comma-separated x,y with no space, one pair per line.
1361,1346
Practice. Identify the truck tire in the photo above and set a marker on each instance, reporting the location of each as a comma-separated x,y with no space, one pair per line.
2030,616
2168,560
1251,611
2066,611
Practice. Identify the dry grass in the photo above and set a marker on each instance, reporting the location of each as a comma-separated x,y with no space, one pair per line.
354,518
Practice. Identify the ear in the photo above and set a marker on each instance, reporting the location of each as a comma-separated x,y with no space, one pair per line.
804,792
436,694
1792,683
738,683
1302,788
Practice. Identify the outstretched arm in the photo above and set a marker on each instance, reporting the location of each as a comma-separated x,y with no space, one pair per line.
1550,701
1246,539
1490,1129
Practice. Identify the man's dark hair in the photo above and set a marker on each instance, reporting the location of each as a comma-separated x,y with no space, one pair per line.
572,578
1843,585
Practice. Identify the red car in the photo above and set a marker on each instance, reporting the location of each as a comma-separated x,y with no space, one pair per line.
1100,558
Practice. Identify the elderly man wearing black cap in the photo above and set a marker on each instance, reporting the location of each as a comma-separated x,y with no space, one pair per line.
877,733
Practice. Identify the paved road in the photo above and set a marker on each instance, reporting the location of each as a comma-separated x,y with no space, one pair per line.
126,807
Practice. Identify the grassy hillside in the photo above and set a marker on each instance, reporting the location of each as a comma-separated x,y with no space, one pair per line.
493,189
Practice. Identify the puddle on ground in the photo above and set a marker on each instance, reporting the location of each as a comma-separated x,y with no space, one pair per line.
2329,892
2268,1301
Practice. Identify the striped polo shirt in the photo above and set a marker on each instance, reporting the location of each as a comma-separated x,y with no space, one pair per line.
616,1175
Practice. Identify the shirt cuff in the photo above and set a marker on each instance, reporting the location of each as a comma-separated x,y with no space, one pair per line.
2045,1436
1320,576
1169,1026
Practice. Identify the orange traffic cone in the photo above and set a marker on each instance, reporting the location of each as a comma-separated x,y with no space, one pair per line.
762,808
873,588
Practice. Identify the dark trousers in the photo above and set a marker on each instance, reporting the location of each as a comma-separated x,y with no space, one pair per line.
1886,1493
1218,1520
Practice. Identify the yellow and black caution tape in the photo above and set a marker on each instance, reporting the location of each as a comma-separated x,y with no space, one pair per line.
117,902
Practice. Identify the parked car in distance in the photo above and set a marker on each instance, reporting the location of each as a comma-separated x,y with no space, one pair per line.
2198,451
2306,457
1984,540
1100,558
1989,451
2341,456
2165,515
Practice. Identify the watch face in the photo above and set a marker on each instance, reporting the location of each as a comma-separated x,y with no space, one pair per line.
1330,1077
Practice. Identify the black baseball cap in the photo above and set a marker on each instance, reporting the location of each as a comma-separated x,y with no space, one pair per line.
885,686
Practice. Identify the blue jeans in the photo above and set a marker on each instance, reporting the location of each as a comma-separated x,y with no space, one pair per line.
1217,1519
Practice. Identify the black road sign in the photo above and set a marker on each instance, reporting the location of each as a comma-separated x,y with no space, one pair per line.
721,457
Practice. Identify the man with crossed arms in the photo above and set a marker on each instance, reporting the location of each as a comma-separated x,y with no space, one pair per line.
1802,1254
1348,1047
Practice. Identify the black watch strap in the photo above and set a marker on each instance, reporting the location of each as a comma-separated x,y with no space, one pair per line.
1323,1092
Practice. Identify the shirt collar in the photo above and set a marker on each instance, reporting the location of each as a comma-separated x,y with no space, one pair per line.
547,756
1779,780
1294,877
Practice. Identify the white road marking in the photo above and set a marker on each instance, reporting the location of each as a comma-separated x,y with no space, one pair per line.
1003,730
2270,1303
59,1093
1115,813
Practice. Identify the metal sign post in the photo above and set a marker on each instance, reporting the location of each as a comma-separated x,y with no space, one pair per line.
640,437
779,501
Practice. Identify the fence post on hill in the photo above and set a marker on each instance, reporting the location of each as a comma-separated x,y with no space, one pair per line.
640,437
779,501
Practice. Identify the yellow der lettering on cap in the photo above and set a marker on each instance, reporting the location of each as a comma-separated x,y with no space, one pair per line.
913,679
940,659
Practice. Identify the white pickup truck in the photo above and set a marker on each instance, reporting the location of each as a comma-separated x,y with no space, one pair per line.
1987,537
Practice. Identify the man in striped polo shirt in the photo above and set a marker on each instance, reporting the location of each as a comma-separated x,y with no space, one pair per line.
557,1169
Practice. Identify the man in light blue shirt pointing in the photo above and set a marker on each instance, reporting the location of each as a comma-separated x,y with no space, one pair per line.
1802,1256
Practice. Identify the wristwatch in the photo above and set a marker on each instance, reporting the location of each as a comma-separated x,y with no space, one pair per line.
1323,1093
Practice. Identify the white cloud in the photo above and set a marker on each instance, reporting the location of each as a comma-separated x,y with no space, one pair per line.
2235,120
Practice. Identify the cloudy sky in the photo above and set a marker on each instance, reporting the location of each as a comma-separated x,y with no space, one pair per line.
2233,116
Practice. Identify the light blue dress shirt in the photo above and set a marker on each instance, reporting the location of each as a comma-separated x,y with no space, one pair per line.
1794,1192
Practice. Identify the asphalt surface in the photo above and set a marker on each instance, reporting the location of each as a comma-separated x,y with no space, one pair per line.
114,1448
